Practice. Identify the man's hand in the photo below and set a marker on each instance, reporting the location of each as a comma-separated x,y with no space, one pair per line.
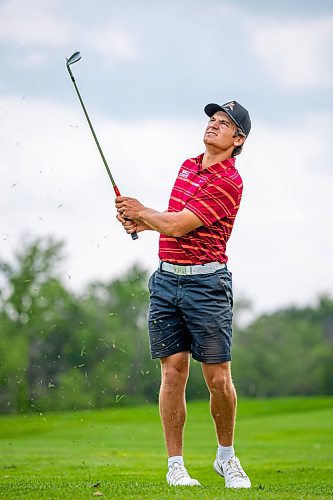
132,227
128,208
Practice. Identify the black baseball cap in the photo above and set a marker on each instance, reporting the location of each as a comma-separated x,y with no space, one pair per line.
239,115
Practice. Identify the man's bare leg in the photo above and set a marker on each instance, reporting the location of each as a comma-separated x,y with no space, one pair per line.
223,403
223,400
175,370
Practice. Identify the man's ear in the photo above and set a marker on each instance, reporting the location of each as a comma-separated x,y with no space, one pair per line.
239,140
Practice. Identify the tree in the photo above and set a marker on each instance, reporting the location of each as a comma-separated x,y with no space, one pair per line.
62,351
287,352
36,316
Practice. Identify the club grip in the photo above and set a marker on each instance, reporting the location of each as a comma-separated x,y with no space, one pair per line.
134,236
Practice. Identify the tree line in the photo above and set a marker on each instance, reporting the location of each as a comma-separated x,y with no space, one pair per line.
60,350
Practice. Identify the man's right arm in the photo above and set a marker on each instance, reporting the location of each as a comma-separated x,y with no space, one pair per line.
175,224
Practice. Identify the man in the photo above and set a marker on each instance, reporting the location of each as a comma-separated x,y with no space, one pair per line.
191,293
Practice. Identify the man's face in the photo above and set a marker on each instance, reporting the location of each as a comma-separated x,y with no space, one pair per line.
221,132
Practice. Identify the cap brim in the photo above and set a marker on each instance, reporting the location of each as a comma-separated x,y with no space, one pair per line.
212,108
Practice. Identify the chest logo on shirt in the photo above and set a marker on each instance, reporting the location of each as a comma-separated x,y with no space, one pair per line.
184,173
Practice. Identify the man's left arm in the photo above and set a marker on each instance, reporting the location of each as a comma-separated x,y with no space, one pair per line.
175,224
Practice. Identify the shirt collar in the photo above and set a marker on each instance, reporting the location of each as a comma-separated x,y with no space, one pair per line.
224,165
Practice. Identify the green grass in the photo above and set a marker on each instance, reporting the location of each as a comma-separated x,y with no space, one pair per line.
285,445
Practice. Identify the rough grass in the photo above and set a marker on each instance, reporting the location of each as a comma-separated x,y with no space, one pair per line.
285,445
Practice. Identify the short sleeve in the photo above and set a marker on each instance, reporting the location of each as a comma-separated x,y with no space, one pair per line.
216,201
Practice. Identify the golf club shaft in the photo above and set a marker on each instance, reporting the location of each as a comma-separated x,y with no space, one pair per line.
134,235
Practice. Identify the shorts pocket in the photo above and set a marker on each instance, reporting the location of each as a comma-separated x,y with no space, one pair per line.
151,281
226,284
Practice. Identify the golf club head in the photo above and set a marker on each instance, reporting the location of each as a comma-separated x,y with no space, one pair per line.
74,58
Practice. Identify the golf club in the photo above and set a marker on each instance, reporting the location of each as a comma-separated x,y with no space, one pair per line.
72,60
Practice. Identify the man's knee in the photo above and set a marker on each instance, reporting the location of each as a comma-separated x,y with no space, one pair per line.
218,378
175,369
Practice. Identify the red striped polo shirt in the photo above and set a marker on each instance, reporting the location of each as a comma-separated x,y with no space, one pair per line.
212,194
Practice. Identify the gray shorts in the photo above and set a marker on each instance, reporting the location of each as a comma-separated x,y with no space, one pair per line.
191,313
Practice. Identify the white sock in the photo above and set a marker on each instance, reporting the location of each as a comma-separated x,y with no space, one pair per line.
173,460
225,452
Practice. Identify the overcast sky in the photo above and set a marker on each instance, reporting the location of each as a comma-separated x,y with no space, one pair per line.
148,68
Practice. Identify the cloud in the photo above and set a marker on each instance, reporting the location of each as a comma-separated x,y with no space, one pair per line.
282,242
31,23
30,60
54,183
114,42
297,53
37,24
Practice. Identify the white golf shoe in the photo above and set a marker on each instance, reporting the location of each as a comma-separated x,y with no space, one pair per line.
178,476
232,472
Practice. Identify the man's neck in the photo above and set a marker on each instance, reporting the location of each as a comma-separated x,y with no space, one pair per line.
212,157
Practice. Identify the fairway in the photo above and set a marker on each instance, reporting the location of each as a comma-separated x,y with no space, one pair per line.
285,446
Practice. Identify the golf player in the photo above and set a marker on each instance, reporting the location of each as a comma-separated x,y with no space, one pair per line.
191,298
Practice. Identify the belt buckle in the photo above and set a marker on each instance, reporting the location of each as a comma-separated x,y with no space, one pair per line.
179,270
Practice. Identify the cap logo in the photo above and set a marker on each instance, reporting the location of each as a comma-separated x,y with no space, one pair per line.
230,105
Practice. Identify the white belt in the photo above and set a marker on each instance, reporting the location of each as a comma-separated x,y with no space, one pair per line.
211,267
